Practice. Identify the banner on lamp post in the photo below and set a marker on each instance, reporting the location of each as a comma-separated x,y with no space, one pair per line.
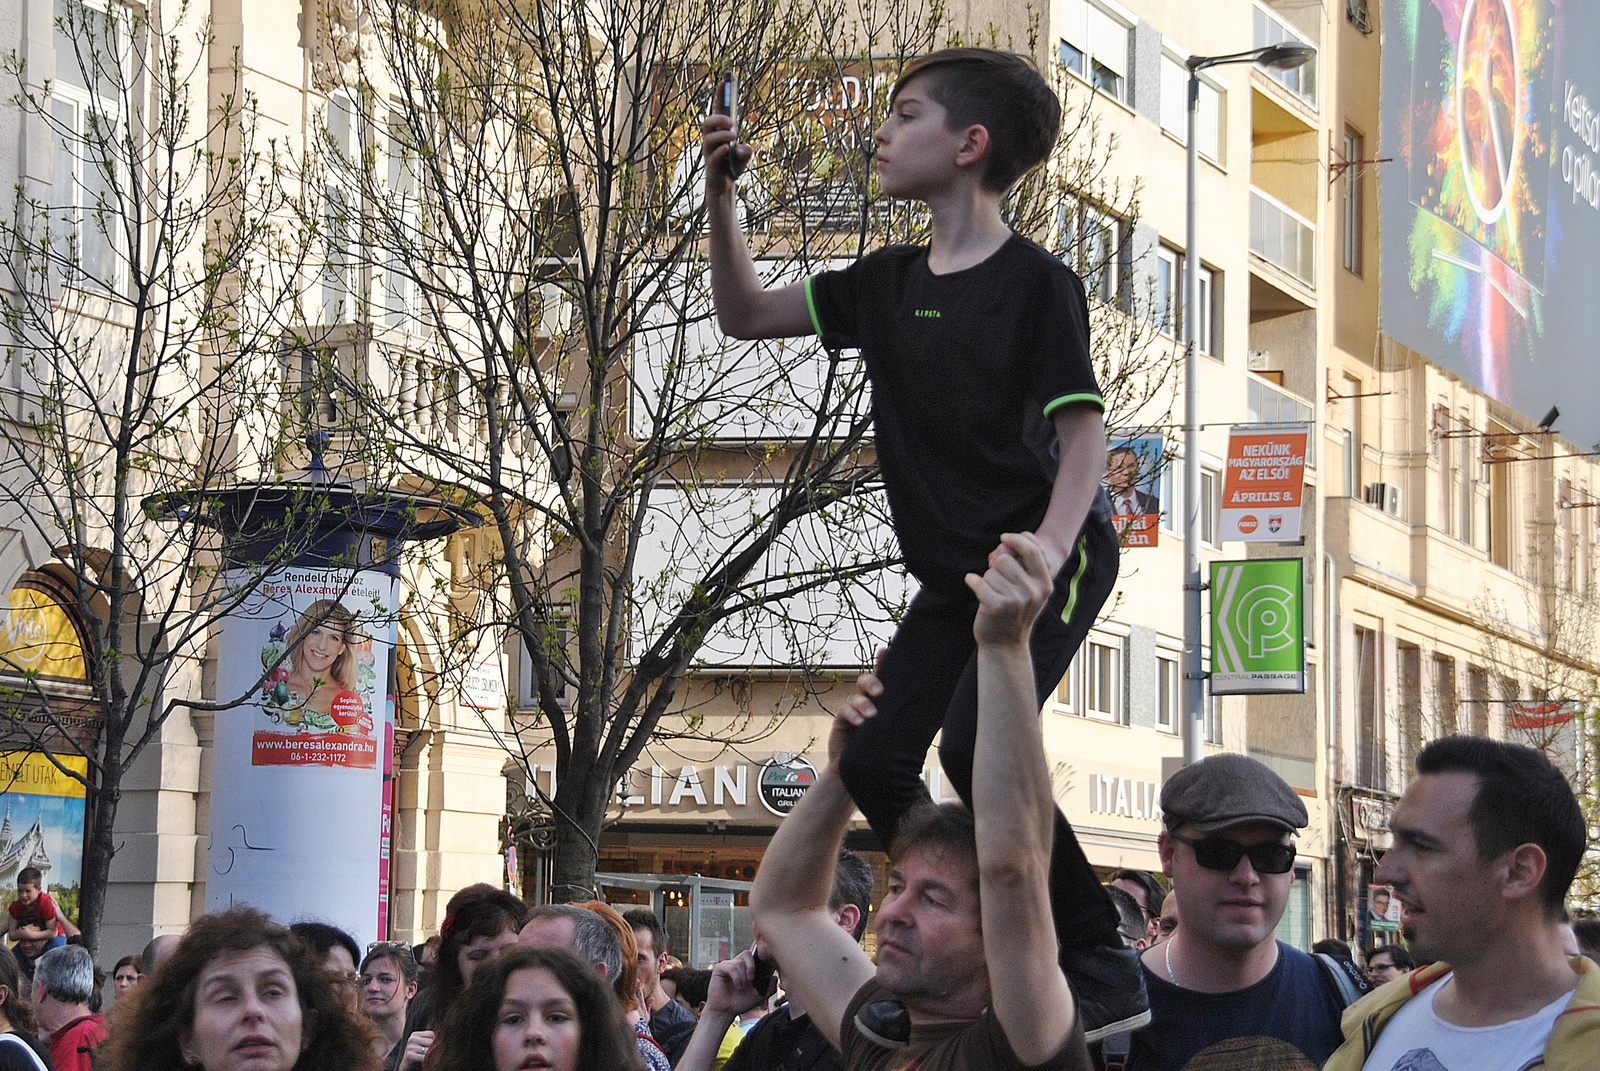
1264,483
1258,627
296,787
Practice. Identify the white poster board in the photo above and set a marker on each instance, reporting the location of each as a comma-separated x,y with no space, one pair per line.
296,781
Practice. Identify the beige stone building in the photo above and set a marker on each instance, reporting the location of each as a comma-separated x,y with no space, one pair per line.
1448,560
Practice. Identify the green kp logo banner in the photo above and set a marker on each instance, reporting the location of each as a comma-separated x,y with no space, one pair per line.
1258,627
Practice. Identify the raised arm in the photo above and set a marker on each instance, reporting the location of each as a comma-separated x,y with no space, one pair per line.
1013,808
822,965
745,309
732,993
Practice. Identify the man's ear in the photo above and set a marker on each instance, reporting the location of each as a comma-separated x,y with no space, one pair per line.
661,962
848,917
600,967
1525,866
186,1046
1164,847
974,145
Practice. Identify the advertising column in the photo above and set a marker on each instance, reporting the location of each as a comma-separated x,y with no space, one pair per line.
297,781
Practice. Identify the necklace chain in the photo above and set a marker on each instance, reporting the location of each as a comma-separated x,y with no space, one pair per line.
1170,976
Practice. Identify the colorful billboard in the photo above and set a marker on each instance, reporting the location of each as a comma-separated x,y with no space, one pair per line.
43,824
1491,204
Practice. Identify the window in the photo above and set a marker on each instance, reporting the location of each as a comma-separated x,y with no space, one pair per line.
1204,341
1094,248
87,112
400,184
1165,295
1067,699
1213,717
1349,433
1500,502
1271,30
1410,666
1478,699
1210,505
1269,405
1172,496
1094,46
1102,665
1372,767
1175,108
342,128
1444,693
1169,691
1352,189
1467,497
559,635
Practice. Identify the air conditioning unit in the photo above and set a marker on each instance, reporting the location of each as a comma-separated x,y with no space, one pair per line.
1384,496
1260,360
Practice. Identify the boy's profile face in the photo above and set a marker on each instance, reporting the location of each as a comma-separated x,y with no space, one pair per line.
27,893
916,149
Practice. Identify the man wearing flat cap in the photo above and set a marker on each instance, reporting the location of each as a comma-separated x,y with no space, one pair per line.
1225,995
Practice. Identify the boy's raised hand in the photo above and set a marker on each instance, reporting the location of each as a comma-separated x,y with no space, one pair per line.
1013,590
717,140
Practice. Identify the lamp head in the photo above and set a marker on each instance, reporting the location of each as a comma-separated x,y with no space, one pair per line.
1286,56
1550,419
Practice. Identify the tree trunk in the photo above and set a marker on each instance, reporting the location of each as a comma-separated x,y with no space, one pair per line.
572,876
98,852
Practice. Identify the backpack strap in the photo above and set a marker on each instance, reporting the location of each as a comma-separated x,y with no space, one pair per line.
1344,978
25,1047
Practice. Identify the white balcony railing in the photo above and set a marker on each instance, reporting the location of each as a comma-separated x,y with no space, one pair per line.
1283,237
1272,30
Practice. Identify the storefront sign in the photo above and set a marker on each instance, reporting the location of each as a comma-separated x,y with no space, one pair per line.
296,801
43,823
1257,627
38,637
1124,797
1133,482
484,685
783,781
1264,482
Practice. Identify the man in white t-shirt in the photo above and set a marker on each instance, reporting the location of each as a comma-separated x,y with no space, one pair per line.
1486,842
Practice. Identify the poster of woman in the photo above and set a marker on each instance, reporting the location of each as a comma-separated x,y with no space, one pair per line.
320,673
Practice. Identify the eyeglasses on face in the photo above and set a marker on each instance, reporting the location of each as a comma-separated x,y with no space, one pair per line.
1220,853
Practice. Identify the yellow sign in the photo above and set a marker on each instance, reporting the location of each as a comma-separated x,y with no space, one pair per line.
34,774
38,637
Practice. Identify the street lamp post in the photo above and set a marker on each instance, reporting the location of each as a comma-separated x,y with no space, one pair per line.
1280,57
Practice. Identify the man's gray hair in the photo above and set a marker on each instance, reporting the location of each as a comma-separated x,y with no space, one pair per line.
67,974
593,939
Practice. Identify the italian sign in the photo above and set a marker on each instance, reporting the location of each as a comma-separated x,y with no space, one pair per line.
1264,482
1491,206
1257,627
1133,482
784,779
296,794
43,824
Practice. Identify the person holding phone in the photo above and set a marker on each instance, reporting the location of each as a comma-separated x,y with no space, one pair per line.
988,419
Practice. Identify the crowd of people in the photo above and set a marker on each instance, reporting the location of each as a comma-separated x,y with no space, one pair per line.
997,946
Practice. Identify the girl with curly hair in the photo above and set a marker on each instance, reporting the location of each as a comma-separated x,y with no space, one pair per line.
239,991
536,1007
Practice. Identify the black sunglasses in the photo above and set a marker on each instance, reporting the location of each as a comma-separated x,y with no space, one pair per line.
1220,853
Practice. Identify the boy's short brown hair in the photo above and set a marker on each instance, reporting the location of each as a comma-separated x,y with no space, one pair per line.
30,875
1000,91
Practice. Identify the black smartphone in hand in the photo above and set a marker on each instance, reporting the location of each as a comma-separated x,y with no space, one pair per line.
761,979
725,101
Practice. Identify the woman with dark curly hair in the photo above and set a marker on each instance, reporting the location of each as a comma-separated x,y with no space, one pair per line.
239,991
19,1046
536,1007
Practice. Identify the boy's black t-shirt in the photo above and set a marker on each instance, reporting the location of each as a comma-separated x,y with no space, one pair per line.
967,370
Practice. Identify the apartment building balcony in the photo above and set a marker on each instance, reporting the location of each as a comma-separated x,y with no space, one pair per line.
1283,247
1284,101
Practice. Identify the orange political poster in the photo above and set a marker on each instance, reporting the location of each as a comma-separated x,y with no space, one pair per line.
1264,483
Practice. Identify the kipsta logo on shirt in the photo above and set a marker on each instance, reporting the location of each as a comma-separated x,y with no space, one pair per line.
927,314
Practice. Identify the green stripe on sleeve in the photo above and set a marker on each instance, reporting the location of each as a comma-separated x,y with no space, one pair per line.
811,307
1087,397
